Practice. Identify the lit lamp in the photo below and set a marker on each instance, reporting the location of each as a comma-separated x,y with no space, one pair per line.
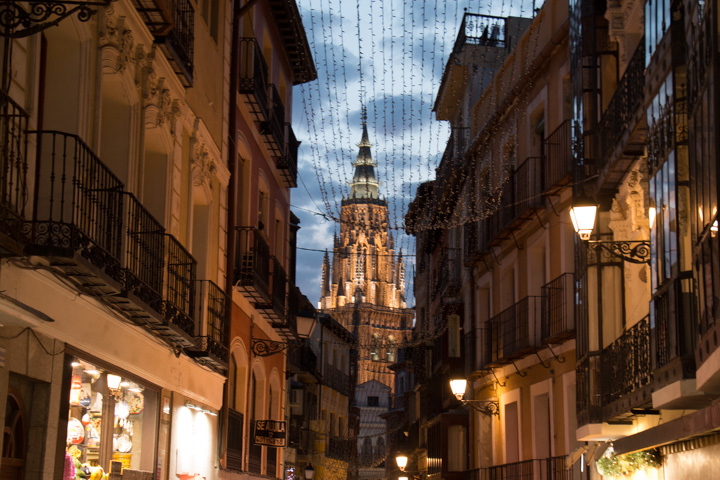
113,383
309,472
401,461
583,214
486,407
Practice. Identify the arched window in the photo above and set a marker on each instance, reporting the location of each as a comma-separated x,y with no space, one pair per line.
391,349
379,450
375,349
14,439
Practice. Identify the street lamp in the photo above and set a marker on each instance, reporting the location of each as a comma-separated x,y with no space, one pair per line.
487,407
583,214
401,461
309,472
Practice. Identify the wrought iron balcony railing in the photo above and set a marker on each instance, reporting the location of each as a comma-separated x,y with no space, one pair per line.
287,162
13,174
275,308
587,390
558,312
273,129
178,43
77,207
552,468
514,331
157,15
302,359
235,436
626,362
673,333
252,264
623,107
337,380
179,294
211,312
559,158
482,30
447,281
253,79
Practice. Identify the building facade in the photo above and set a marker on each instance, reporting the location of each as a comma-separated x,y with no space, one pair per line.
363,288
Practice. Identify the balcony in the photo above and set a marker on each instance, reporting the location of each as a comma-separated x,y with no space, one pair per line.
13,179
448,279
252,264
235,436
481,30
178,43
558,309
521,198
542,469
301,359
588,391
513,332
559,158
84,224
274,309
627,374
287,162
253,79
621,119
211,311
157,15
336,379
273,129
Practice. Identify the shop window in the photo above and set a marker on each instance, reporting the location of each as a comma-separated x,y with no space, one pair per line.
110,417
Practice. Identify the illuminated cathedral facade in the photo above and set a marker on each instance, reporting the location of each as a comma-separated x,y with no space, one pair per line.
363,284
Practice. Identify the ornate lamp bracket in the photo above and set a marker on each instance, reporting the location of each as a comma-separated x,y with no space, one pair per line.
22,19
486,407
264,348
630,251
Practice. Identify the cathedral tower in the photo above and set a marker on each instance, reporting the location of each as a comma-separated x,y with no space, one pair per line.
363,287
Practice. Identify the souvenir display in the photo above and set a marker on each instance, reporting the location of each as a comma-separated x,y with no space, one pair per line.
76,431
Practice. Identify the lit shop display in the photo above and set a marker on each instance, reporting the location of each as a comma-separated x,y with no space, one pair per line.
110,418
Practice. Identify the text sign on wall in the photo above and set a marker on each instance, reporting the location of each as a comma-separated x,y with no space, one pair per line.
270,433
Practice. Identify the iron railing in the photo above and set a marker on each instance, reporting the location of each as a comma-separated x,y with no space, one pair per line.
178,43
482,30
302,359
252,263
558,156
626,362
253,78
528,185
287,162
558,312
234,456
514,331
180,284
279,288
211,341
144,254
13,167
336,379
552,468
623,106
157,15
587,390
447,281
77,205
273,129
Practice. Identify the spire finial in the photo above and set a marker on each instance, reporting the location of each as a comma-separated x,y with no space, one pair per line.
364,115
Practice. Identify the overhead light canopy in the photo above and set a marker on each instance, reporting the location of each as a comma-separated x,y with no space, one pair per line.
582,214
458,386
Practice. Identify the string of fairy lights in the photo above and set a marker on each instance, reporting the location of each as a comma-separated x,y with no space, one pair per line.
388,59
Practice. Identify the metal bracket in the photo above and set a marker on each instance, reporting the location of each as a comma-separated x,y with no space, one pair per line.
522,374
517,245
542,362
502,384
558,359
537,215
486,407
18,21
636,251
264,348
553,206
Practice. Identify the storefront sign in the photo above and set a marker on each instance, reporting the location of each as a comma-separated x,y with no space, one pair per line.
270,433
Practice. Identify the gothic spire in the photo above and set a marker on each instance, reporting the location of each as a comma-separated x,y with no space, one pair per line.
364,184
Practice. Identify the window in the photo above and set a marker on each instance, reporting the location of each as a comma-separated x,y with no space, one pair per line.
210,12
391,349
101,398
375,350
373,401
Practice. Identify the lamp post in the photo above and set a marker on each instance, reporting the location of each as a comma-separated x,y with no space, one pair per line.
583,213
486,407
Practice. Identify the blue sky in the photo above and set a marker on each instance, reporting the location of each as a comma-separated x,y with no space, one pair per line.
390,56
